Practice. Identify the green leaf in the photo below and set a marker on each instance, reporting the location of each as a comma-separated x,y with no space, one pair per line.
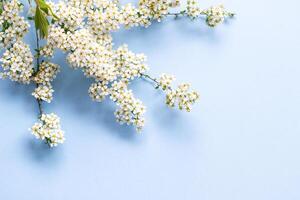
46,8
1,7
41,22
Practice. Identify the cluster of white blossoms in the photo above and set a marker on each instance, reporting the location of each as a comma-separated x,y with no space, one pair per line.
69,16
46,73
43,92
158,9
181,96
192,9
83,31
12,26
216,15
165,81
48,129
131,110
17,63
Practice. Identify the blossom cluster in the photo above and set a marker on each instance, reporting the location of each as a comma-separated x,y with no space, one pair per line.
216,15
46,73
48,129
12,26
193,10
182,96
17,63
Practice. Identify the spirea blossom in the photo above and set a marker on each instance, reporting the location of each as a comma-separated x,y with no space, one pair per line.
12,26
17,63
165,81
182,97
44,93
158,9
49,129
47,72
131,110
70,17
129,15
215,15
193,9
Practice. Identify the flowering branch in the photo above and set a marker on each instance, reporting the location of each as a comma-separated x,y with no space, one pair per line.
82,30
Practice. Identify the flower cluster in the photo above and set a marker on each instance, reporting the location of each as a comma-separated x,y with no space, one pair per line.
129,15
46,73
48,129
70,17
193,10
131,110
17,63
12,26
182,97
165,81
158,8
216,15
44,93
104,19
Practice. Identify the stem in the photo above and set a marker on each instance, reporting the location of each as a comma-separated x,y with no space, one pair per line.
37,69
146,76
39,102
177,14
184,12
154,80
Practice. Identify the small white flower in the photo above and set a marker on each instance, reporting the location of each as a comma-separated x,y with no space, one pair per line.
44,92
47,73
17,63
48,129
165,81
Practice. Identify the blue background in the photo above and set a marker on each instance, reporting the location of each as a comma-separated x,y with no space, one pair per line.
241,142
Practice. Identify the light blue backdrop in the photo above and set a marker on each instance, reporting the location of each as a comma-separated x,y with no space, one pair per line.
241,142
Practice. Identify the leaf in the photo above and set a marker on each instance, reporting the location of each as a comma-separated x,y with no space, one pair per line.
46,8
1,7
41,22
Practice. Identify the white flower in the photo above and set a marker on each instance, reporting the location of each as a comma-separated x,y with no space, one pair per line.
44,92
158,9
47,73
182,96
70,17
13,26
165,81
17,63
104,20
193,9
215,15
131,110
48,128
129,15
98,91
